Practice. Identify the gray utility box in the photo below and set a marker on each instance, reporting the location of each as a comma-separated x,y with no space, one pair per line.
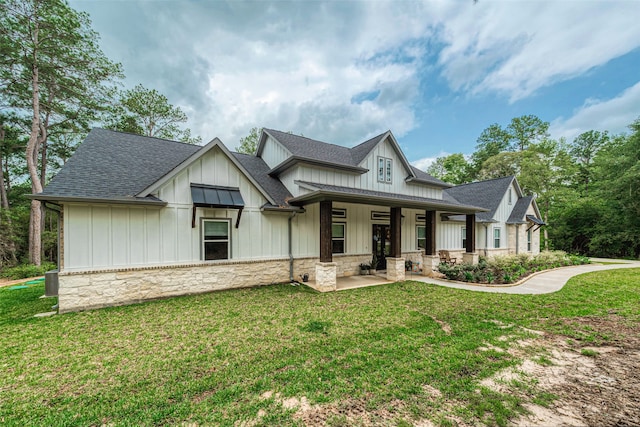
51,283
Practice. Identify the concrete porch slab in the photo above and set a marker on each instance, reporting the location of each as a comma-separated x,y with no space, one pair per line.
353,282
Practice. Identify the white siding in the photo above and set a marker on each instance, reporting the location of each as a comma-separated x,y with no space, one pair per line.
273,153
104,236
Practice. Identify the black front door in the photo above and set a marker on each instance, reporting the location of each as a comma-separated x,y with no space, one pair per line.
381,244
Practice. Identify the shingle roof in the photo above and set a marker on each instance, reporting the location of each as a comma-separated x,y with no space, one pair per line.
404,199
116,166
486,194
360,151
260,173
520,210
306,148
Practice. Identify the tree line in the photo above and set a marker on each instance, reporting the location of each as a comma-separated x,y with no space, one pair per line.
588,189
55,84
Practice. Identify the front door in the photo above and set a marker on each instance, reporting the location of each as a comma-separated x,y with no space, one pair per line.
381,244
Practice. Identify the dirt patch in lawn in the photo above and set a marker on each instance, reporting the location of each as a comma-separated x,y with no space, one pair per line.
594,384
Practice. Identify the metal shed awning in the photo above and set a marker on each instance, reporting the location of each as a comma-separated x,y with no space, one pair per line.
212,196
535,221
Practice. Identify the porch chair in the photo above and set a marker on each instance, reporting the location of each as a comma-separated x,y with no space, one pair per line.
445,257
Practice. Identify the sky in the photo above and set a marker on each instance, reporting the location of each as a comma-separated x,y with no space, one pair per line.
435,73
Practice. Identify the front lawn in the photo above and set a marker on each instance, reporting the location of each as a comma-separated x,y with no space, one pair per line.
386,355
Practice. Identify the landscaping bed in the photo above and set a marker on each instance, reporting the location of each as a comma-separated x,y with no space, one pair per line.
510,268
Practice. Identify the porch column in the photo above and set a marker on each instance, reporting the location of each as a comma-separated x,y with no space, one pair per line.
430,230
395,262
396,232
326,270
471,256
325,231
430,260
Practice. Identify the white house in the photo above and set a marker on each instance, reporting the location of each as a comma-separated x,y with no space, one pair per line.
144,218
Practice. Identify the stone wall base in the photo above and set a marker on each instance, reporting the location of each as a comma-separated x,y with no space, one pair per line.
470,258
88,290
430,264
395,269
325,277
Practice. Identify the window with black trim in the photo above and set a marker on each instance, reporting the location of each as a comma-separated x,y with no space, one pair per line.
338,237
215,239
421,236
529,240
385,169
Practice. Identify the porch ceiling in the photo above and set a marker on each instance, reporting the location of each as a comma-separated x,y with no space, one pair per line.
324,192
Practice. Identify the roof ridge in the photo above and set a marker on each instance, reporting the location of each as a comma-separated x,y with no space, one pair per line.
371,139
307,138
484,180
149,137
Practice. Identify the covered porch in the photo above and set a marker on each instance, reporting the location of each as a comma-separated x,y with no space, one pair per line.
326,269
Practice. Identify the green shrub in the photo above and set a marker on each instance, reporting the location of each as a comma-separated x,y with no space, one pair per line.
509,268
27,270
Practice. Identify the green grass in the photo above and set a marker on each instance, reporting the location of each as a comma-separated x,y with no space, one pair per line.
208,359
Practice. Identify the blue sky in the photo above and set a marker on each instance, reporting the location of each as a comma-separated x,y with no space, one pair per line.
434,72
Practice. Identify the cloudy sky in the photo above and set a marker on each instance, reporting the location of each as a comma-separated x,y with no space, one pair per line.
434,72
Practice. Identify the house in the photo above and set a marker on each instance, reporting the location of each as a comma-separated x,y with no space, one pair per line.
144,218
510,225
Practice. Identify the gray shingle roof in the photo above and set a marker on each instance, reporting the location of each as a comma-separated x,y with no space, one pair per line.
306,148
486,194
116,166
520,210
411,201
260,173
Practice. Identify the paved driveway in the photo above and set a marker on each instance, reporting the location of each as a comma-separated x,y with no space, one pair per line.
541,283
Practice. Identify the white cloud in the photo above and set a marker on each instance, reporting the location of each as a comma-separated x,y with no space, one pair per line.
303,66
518,47
613,115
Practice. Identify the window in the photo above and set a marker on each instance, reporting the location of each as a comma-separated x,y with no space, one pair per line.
339,213
464,237
388,170
215,239
385,166
380,216
509,196
496,238
338,237
421,234
529,240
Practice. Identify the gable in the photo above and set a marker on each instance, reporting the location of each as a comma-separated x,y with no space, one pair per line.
213,168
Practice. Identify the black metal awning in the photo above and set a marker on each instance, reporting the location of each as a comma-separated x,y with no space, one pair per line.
216,197
535,221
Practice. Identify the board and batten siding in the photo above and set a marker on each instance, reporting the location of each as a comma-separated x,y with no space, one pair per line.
274,153
366,181
359,227
119,236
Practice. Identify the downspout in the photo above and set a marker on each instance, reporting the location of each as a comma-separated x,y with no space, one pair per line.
486,240
293,214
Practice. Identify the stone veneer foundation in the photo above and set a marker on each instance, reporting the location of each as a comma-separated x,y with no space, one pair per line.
395,269
94,289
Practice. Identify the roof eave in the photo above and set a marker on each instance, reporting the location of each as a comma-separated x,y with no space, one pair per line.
119,201
412,180
326,195
294,160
